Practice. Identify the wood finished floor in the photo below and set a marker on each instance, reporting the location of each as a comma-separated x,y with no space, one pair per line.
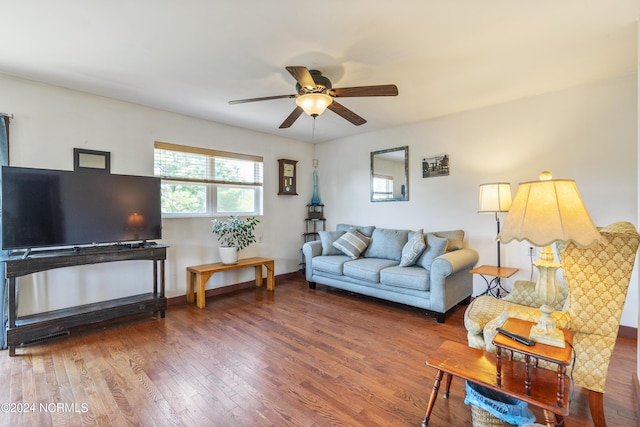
253,358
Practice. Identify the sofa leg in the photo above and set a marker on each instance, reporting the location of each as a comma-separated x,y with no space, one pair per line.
440,317
596,406
467,300
312,285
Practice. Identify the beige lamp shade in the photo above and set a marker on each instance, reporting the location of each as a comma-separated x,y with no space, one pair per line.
314,104
494,197
547,211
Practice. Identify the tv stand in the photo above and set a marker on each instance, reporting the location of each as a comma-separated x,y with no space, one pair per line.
42,326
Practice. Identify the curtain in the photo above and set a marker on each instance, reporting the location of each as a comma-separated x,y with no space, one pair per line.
4,297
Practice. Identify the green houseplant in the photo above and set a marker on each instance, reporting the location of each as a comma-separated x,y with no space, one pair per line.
234,234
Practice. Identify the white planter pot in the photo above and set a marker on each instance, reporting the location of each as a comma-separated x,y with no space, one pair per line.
229,255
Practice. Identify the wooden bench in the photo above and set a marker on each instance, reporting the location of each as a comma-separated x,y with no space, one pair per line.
200,274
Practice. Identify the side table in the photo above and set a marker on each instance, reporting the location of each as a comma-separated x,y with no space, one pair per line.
453,359
539,351
494,286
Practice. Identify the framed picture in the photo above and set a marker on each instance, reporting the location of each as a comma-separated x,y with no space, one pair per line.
435,166
91,161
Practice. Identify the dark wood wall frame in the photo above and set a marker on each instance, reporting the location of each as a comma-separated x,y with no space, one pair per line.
91,161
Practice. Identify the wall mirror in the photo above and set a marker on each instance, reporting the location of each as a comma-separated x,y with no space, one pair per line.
390,175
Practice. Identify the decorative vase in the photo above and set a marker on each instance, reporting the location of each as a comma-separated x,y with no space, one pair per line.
315,199
229,255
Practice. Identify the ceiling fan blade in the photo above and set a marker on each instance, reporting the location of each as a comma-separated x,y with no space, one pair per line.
292,118
380,90
264,98
346,114
302,76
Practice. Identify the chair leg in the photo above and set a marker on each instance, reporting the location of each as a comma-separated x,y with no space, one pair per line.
596,406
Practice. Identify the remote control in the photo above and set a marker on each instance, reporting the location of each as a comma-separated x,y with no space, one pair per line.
520,339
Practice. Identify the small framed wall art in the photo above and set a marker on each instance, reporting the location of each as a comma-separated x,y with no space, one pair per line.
287,177
91,161
435,166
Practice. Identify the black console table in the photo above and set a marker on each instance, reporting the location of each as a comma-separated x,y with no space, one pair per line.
41,326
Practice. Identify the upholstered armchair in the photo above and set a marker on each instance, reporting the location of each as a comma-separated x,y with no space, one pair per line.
590,304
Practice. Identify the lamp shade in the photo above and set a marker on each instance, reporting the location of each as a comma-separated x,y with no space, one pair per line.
314,104
494,197
548,211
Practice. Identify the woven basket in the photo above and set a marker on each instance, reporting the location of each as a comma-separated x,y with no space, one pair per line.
482,418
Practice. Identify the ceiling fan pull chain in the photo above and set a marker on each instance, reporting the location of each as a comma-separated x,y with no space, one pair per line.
313,129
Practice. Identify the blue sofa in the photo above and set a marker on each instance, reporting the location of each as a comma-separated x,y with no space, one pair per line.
388,264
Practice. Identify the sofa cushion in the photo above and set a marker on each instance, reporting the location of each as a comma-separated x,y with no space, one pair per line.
352,243
387,244
455,238
406,277
367,269
329,264
413,248
327,238
436,246
367,230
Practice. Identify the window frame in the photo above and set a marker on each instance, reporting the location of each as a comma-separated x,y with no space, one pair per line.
211,184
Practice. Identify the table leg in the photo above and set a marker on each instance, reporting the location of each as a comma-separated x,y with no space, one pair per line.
550,418
562,370
498,366
447,384
271,279
527,375
12,308
258,269
200,290
190,291
432,398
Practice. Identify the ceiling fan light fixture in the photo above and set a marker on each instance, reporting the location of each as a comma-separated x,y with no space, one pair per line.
314,104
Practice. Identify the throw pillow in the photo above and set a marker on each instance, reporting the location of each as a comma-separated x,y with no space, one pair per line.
436,246
413,249
455,238
352,243
327,238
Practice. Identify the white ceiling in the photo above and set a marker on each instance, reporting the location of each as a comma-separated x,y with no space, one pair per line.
194,56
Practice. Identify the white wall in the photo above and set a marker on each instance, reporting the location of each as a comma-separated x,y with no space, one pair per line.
49,122
587,133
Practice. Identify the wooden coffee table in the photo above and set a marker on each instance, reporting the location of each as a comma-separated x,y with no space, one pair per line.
201,273
453,359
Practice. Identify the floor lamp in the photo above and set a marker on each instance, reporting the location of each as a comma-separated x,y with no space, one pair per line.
544,212
495,198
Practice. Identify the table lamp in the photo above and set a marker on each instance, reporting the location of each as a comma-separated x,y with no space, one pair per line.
544,212
495,198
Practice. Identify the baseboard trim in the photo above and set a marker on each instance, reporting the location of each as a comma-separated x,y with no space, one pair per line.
628,331
182,299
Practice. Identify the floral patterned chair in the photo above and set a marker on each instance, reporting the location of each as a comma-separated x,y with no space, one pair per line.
597,279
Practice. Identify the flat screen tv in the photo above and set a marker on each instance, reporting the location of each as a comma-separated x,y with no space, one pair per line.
53,208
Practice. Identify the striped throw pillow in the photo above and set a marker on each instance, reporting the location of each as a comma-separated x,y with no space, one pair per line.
352,243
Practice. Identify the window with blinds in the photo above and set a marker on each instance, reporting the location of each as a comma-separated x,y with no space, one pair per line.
199,182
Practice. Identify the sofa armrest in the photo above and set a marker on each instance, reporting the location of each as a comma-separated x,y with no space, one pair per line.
450,280
523,293
310,250
452,262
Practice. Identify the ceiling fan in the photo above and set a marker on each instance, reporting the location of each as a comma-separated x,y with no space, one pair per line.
315,94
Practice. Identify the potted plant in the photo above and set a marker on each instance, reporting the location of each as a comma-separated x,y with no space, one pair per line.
234,234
